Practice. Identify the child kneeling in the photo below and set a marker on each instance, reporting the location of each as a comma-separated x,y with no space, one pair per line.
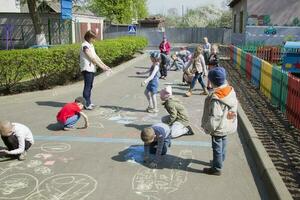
69,115
157,139
17,138
178,117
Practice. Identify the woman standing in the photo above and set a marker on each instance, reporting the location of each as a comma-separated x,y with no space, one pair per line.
199,69
165,49
88,62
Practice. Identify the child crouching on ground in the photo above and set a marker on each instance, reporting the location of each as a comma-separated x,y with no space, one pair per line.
17,138
219,117
152,82
178,117
69,115
157,139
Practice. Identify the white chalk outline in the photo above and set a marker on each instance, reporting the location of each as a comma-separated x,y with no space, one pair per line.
29,193
39,192
53,147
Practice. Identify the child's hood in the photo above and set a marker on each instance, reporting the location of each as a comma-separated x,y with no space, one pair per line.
226,95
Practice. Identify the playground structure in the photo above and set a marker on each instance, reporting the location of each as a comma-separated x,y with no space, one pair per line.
291,57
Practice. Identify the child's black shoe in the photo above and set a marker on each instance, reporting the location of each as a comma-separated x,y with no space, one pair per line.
212,171
190,132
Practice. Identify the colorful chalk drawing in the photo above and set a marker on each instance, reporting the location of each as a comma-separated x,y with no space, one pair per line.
55,147
154,184
44,156
65,186
17,186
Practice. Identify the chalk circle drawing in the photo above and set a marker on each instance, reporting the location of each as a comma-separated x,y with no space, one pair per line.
55,147
153,183
17,186
44,156
34,163
65,187
42,170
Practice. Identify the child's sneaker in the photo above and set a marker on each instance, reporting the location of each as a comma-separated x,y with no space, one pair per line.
90,107
149,108
190,132
69,128
153,110
188,94
22,156
205,92
212,171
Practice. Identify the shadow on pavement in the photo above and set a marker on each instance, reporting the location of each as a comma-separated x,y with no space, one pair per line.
50,103
138,77
138,127
137,67
120,108
135,154
55,127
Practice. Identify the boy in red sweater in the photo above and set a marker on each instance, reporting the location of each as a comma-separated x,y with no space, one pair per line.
70,114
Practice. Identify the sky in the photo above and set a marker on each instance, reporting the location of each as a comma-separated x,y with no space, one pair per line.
161,6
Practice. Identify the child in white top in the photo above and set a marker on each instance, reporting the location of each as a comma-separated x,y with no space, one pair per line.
17,138
152,82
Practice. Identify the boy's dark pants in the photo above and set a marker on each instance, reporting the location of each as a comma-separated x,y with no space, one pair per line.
163,65
11,142
88,85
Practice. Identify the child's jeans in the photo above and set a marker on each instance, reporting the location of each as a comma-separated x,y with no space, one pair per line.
71,121
219,151
88,85
198,76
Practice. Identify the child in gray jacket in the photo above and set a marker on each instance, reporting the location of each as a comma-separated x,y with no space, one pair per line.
219,117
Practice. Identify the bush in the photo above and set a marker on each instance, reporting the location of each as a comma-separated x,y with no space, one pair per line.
60,64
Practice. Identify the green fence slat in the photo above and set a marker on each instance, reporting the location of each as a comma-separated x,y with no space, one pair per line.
284,91
243,64
276,85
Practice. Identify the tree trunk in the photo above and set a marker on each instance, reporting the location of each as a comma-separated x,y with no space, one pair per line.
36,20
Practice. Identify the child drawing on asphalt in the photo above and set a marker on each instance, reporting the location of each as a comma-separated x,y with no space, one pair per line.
17,138
219,117
213,61
178,117
157,139
70,114
152,82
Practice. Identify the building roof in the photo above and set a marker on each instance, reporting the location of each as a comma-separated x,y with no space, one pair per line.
55,7
233,3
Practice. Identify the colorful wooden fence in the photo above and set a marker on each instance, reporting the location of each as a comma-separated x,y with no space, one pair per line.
281,89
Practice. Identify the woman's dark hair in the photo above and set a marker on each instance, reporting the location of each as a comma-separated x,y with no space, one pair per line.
90,35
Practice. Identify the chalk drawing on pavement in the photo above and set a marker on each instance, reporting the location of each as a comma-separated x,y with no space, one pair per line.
154,183
55,147
42,170
43,156
65,186
34,163
17,186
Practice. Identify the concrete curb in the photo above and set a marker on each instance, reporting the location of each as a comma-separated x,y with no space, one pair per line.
274,184
61,89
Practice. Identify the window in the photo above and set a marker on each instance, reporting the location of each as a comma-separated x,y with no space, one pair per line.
234,23
241,21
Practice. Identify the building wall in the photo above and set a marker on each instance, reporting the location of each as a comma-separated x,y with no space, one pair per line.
81,24
256,34
273,12
239,21
10,6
